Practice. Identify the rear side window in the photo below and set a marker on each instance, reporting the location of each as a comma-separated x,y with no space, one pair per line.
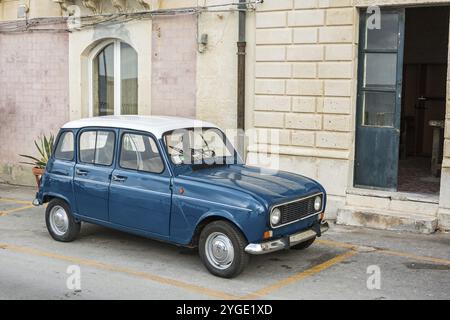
139,152
65,147
97,147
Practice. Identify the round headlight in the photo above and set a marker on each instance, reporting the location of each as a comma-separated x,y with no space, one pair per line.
275,216
317,203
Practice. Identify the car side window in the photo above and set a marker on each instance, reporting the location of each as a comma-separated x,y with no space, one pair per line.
65,147
139,152
97,147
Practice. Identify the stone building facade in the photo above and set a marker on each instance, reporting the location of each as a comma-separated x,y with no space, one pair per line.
304,77
305,87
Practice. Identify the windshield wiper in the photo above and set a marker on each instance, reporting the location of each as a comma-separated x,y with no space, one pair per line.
211,163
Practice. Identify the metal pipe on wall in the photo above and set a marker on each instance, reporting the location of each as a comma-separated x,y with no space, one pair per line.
241,53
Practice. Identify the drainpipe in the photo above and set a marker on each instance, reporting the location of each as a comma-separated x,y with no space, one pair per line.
241,46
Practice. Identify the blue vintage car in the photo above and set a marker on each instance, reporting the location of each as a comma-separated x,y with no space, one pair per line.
180,181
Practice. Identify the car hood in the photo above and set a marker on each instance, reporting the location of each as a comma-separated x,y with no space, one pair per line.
269,185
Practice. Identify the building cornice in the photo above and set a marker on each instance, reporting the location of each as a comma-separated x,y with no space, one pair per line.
150,4
119,5
64,4
93,5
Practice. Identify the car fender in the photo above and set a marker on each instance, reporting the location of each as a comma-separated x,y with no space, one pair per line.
59,196
223,214
251,224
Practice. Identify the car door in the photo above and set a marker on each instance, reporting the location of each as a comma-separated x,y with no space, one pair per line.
60,168
93,172
140,192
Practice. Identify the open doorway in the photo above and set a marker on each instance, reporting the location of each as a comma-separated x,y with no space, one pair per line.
402,78
423,99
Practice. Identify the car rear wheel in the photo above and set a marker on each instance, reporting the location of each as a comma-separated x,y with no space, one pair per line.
60,223
222,249
304,245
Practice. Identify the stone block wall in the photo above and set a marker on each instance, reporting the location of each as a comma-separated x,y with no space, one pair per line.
304,87
444,211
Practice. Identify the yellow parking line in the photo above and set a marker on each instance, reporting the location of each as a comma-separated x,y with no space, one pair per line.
299,276
108,267
385,251
4,213
336,244
14,201
414,257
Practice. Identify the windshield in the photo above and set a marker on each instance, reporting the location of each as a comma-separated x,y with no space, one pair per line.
199,146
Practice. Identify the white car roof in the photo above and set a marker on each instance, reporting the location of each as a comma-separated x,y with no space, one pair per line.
157,125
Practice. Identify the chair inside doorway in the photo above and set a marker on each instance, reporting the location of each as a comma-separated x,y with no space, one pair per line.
423,100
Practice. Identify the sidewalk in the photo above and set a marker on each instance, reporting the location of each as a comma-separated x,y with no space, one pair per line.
17,192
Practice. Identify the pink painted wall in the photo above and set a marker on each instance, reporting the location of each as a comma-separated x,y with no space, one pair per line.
174,54
34,92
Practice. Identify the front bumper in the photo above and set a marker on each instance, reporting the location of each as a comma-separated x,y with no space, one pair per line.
286,242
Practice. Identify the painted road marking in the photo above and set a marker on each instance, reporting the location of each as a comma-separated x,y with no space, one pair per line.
5,213
220,294
14,201
337,244
414,257
99,265
299,276
385,251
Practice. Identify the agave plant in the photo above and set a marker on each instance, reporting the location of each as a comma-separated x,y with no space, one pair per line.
44,146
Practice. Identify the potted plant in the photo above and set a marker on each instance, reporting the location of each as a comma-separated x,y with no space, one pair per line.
44,146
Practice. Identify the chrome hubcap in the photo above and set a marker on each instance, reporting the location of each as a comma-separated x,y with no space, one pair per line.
59,221
219,250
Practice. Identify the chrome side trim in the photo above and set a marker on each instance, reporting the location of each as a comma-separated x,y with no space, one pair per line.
293,201
212,202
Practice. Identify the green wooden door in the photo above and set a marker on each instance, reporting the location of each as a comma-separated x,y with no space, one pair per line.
379,101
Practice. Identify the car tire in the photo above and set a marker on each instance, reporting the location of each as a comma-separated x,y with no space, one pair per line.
60,222
222,249
304,245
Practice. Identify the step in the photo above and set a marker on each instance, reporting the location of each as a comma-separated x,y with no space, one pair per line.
387,219
394,201
444,219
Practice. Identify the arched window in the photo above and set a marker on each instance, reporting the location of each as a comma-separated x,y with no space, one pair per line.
114,86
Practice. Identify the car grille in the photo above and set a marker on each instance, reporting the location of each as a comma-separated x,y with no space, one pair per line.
297,210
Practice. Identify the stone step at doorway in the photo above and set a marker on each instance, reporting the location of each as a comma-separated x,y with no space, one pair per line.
390,211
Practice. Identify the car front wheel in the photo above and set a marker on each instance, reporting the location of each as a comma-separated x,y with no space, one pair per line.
60,223
222,249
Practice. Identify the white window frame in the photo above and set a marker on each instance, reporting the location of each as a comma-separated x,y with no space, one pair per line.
117,75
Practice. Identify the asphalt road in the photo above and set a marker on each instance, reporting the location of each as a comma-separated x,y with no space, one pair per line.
347,263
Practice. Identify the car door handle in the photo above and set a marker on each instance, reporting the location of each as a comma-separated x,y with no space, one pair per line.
81,172
119,178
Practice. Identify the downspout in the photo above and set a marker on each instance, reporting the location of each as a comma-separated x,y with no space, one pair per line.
241,53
